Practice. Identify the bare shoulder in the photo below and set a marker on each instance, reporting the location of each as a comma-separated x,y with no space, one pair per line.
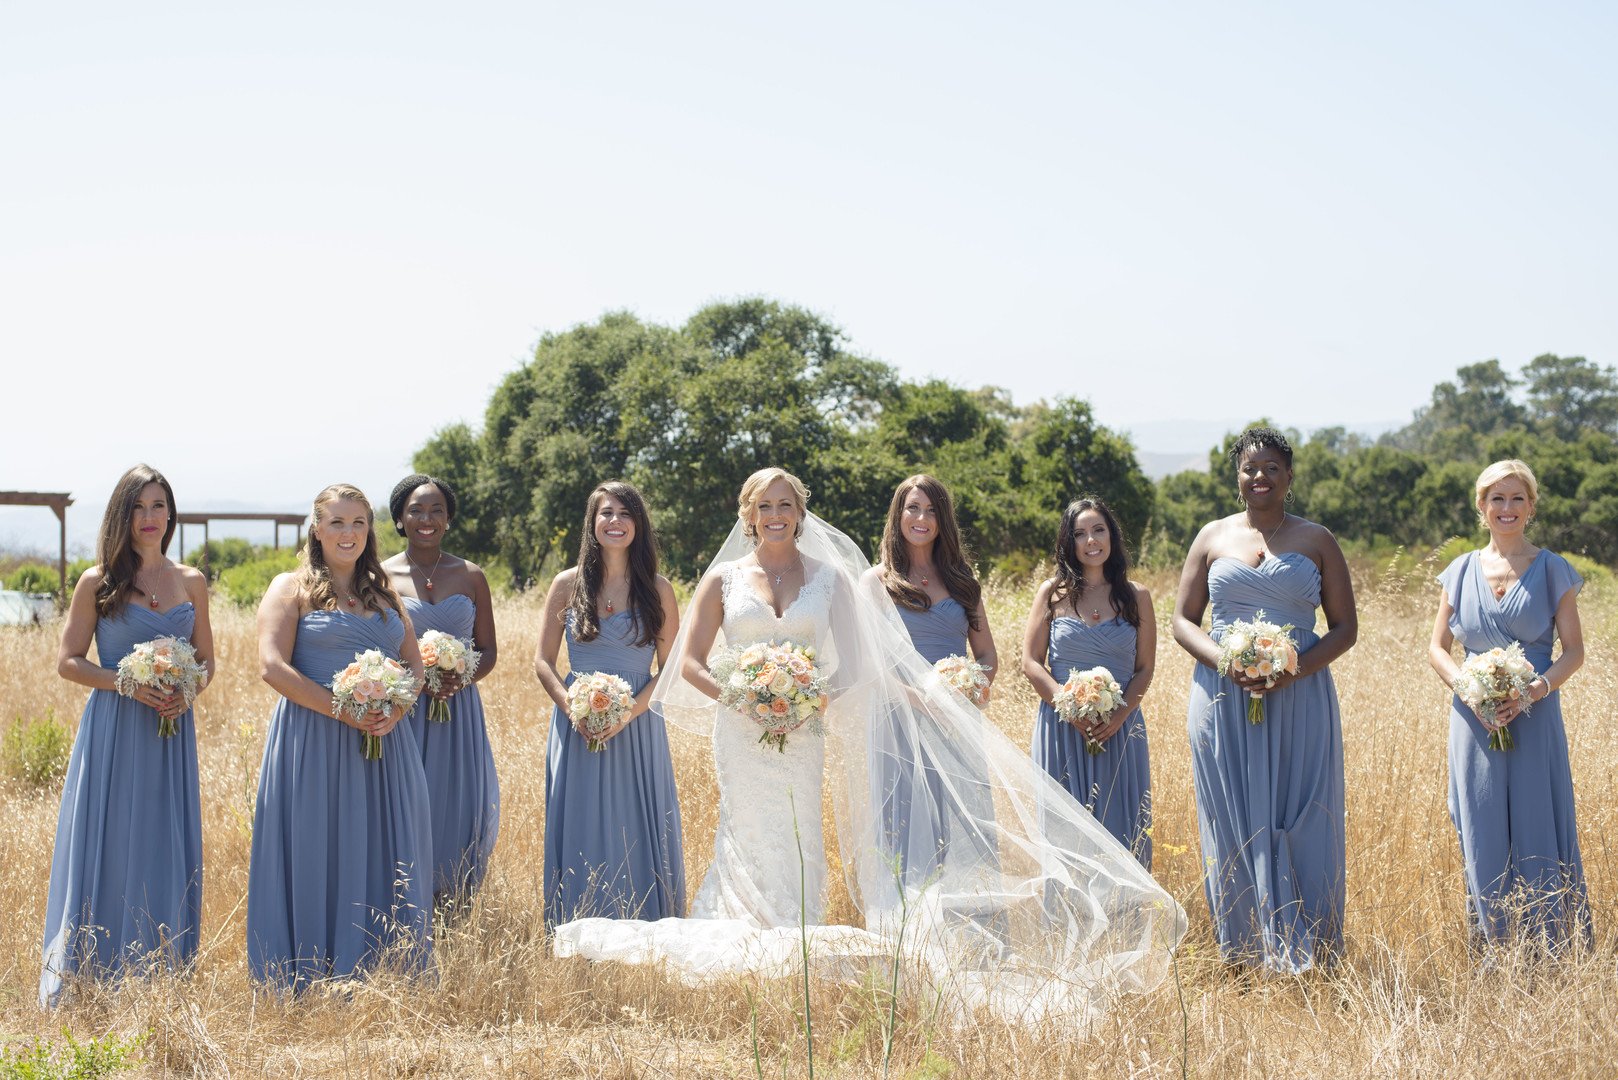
91,578
1143,595
190,575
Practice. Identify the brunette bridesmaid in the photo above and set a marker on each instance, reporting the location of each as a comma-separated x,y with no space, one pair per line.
925,573
444,592
341,871
1091,615
612,818
1513,809
1269,795
126,873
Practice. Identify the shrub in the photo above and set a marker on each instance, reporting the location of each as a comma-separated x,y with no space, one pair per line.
33,578
76,569
217,556
244,585
36,751
72,1061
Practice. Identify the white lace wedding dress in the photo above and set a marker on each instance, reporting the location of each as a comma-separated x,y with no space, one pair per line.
767,881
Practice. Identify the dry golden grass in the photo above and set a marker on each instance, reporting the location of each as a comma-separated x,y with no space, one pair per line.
1407,1001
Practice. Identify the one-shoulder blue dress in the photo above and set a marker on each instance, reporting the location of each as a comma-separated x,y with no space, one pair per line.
341,866
126,873
1116,784
1513,809
1270,795
612,818
461,781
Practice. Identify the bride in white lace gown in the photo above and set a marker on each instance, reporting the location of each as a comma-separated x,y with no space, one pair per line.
1046,915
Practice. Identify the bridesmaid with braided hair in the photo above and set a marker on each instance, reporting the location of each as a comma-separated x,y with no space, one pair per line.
447,593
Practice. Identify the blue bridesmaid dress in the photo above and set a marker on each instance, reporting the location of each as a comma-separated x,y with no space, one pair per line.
1513,809
1116,784
126,874
1270,795
920,793
461,781
342,847
612,819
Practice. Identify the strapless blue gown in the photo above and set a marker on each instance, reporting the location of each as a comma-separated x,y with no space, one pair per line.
910,786
612,819
1270,795
461,781
1513,809
342,847
126,873
1115,785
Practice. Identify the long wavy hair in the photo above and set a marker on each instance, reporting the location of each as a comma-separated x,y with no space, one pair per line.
115,546
1069,576
949,554
370,585
645,606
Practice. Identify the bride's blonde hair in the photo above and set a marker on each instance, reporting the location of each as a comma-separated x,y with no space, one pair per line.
753,489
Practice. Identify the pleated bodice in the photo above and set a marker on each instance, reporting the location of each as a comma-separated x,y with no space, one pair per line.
136,624
1078,645
939,631
1285,586
453,615
613,651
328,639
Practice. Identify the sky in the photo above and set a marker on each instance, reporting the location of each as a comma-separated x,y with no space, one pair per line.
266,247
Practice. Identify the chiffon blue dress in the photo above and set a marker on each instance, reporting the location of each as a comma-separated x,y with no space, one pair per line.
612,818
341,867
461,781
1116,784
126,873
1270,795
1513,809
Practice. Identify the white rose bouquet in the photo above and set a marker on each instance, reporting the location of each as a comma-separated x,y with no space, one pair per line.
1085,700
444,655
597,703
372,683
965,677
1258,648
1490,679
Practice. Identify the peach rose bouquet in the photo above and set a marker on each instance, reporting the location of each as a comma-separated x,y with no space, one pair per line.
597,703
775,685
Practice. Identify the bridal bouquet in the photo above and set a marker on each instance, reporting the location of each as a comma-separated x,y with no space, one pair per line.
1258,648
597,703
1087,699
777,686
165,664
1490,679
372,683
444,654
969,679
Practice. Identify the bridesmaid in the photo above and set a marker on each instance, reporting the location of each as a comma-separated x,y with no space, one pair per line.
1513,809
342,846
612,818
925,572
126,875
1091,615
1269,795
446,593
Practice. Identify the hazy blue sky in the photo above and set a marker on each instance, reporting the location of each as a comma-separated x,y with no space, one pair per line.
268,246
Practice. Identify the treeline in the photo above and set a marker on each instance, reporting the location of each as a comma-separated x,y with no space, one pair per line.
687,413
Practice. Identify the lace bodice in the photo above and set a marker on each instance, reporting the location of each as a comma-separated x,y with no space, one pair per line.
750,619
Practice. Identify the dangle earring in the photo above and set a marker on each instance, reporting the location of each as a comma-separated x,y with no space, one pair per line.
1288,499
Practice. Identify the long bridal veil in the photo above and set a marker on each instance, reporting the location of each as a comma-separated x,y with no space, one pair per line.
957,849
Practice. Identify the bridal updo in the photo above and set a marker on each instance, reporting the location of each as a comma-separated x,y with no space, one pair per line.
753,489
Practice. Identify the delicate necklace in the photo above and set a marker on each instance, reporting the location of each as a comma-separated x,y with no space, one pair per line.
796,565
149,593
1267,541
610,606
1095,609
925,581
429,574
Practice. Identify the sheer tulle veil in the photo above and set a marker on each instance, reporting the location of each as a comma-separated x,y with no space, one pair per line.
1010,893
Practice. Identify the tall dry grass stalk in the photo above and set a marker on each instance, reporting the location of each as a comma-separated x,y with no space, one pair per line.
1408,1001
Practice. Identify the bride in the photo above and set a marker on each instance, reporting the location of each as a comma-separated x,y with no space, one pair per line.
1044,913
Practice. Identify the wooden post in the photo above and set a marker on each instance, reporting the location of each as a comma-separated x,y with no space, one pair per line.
61,552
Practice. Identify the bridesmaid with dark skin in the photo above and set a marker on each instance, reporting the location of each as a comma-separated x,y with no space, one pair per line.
1270,795
445,592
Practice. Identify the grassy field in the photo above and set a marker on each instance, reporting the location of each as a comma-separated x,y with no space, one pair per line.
1408,1000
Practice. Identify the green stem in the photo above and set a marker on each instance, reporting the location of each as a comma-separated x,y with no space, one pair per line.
803,931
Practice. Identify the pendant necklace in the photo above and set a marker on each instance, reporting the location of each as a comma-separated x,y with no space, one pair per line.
797,564
152,595
429,573
1267,542
1095,610
925,581
610,606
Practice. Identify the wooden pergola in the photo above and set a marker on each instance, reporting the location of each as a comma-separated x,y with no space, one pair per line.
203,517
58,501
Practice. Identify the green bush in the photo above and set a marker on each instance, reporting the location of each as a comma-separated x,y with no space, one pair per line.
1594,573
217,556
40,1060
33,578
76,569
244,585
36,751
